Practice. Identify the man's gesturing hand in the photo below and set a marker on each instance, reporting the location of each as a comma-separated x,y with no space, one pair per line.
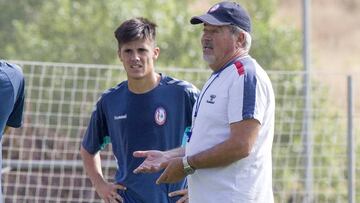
153,161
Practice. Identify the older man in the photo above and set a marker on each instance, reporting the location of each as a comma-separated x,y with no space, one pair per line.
228,154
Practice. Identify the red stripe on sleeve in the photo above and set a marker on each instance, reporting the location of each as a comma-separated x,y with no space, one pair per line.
239,67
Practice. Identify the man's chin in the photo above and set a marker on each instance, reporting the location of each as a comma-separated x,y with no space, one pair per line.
209,59
136,76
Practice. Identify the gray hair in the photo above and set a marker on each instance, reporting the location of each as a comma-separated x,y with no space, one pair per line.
237,30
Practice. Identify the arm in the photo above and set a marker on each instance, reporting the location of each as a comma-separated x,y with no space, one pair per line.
92,164
242,138
173,153
154,159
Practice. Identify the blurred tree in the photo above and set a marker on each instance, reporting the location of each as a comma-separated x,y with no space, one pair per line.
275,46
80,31
63,31
11,11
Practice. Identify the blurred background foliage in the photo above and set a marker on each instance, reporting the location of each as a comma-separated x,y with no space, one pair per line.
81,31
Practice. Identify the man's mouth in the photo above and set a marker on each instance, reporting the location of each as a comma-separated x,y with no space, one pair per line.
207,48
135,66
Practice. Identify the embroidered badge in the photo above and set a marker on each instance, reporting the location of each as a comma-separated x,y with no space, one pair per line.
212,99
160,116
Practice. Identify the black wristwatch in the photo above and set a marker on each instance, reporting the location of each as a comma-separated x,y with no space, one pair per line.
187,168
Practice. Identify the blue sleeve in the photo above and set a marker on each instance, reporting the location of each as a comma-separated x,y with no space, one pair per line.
193,94
249,99
16,116
96,135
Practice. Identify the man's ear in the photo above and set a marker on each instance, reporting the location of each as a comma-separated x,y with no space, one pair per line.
156,52
119,54
240,41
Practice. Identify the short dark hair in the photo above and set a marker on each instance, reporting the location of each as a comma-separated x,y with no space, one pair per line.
134,29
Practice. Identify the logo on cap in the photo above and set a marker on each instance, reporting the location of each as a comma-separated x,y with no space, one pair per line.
160,116
214,8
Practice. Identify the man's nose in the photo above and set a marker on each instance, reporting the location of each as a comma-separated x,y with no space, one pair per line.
135,56
206,38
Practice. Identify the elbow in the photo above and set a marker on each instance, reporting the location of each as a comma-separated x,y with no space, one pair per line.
83,152
246,154
244,150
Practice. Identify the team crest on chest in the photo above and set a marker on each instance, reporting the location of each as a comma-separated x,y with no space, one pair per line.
212,99
160,116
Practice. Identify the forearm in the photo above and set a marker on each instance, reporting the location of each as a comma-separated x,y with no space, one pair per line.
176,169
221,154
237,146
174,153
107,191
92,165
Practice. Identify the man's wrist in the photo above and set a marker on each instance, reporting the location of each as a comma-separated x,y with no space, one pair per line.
188,169
174,153
190,160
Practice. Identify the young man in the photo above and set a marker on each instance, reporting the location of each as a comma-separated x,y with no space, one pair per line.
228,157
12,97
148,111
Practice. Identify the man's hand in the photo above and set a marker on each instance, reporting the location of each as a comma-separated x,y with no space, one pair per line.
183,193
152,162
108,192
174,171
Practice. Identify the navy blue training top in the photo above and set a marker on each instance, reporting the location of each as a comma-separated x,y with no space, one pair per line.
153,120
12,95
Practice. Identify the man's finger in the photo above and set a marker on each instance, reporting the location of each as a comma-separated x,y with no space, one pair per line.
138,170
183,199
120,187
164,164
162,178
178,192
140,154
121,200
143,169
115,196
